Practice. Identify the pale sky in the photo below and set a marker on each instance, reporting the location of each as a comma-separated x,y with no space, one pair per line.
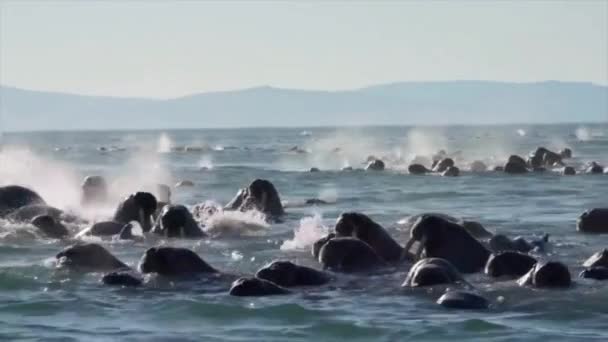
173,48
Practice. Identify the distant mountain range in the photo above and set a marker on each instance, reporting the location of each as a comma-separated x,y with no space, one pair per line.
407,103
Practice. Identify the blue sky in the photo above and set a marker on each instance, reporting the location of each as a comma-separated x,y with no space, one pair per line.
172,48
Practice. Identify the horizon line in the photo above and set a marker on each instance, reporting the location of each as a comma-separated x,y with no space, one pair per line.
287,127
268,86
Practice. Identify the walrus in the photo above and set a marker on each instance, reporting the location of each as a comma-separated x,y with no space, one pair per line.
288,274
173,261
542,157
594,168
476,229
440,238
593,221
315,201
568,171
316,246
184,184
50,227
598,259
547,274
103,228
430,272
509,264
138,207
375,165
122,278
501,243
94,190
255,287
417,169
597,273
28,212
347,254
566,153
88,257
260,195
360,226
515,165
478,166
13,197
451,171
463,300
443,165
177,221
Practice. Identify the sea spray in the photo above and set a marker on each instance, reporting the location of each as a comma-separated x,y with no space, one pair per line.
206,162
235,223
141,172
164,143
55,181
310,230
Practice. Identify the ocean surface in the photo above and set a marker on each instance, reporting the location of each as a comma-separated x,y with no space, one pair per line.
40,302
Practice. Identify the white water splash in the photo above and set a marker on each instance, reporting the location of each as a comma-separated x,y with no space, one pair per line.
141,172
583,134
236,223
56,182
206,162
521,132
423,142
310,230
164,143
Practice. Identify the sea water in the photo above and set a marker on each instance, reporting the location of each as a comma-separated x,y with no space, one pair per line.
40,302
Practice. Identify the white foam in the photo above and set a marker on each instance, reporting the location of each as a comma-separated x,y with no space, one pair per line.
310,230
236,223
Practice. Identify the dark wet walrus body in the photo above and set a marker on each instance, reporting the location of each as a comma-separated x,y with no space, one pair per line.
349,255
440,238
105,228
316,246
599,259
509,264
288,274
547,274
137,207
177,221
260,195
28,212
362,227
122,278
430,272
89,257
597,273
172,261
50,226
593,221
463,300
13,197
255,287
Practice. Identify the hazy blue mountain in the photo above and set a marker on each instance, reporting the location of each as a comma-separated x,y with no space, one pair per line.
407,103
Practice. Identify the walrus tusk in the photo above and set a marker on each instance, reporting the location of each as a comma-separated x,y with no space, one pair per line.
406,250
420,248
142,219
